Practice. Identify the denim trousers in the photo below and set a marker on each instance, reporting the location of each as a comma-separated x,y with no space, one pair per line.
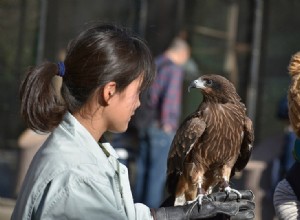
151,166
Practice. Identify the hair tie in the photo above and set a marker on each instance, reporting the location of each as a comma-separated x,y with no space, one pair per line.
61,69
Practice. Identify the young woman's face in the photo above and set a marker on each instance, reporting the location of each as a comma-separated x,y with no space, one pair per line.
123,106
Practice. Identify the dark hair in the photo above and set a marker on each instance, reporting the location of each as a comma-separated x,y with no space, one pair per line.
100,54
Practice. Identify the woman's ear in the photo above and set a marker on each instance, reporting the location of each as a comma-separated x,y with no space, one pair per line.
108,91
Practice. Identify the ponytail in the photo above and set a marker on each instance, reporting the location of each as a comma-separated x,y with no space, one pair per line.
41,106
100,54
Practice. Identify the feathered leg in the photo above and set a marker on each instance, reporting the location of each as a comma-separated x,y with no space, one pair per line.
200,192
189,187
180,191
196,177
225,182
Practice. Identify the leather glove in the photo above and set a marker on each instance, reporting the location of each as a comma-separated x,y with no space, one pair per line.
215,206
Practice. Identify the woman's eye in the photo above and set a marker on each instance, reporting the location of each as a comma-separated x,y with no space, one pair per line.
209,82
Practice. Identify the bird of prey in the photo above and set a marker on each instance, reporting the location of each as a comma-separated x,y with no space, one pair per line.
211,144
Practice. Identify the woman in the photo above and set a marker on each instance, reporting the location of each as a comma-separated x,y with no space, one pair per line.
73,176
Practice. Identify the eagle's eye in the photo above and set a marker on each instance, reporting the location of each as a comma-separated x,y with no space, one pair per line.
209,82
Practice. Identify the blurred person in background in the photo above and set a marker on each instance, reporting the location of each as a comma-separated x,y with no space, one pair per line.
156,122
285,160
76,173
286,198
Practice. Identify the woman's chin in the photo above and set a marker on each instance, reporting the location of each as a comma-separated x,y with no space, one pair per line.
119,130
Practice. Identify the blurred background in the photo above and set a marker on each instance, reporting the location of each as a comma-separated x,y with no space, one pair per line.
248,41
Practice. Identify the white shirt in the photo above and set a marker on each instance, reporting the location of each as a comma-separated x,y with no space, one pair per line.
71,178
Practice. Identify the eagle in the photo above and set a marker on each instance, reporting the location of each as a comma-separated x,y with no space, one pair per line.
211,144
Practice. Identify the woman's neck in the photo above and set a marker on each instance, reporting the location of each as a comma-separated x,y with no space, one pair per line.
92,123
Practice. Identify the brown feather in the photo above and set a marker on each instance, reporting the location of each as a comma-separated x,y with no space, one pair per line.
217,135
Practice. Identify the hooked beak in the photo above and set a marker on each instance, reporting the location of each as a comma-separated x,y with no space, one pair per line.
198,83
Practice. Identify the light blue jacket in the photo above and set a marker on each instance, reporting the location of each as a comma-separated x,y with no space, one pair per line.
72,178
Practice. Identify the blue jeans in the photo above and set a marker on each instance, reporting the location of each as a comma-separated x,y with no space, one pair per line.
151,166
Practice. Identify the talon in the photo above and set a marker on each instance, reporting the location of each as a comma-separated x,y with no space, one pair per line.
200,198
228,190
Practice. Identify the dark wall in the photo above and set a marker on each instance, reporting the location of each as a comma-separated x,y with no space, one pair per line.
19,28
280,39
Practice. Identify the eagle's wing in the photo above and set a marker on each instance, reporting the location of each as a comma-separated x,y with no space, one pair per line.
246,147
185,138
